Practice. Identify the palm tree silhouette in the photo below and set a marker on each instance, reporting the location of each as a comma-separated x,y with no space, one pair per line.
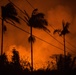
36,20
63,32
8,12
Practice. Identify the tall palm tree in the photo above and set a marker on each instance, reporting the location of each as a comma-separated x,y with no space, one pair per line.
63,32
37,20
8,12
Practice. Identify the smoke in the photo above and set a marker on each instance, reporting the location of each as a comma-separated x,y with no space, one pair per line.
23,53
58,14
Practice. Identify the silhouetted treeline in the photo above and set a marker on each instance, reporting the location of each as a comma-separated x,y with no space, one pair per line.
64,66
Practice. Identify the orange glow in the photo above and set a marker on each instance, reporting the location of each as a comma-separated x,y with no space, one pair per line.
55,13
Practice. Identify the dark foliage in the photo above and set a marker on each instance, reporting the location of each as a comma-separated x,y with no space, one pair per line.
57,31
37,20
31,38
64,64
9,12
15,68
64,30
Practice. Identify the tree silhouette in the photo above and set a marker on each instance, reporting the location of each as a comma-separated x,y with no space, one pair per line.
15,57
16,66
63,32
37,20
8,13
3,63
69,63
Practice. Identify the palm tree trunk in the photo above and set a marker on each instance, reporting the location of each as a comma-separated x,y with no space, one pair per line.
64,46
2,38
31,49
64,42
64,50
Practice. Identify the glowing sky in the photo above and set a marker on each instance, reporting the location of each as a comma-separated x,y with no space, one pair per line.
55,11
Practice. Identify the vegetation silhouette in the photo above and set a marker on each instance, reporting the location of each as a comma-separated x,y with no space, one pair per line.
63,32
37,20
69,60
8,13
14,67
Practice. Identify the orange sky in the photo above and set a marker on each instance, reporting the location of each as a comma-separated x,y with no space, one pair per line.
55,11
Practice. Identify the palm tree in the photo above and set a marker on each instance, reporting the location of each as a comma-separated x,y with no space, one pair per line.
8,13
63,32
36,20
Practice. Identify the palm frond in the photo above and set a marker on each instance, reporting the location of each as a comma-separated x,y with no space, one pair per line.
16,19
10,9
46,29
40,15
67,25
57,31
35,11
9,12
38,21
65,30
27,14
63,22
26,19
